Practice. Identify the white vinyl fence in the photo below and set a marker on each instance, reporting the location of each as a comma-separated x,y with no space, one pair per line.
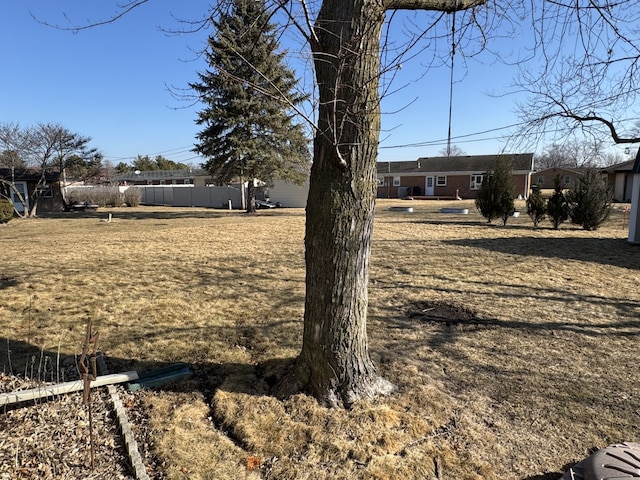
189,196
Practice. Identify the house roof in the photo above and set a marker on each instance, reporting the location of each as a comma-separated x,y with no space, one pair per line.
29,174
620,167
559,170
459,164
161,174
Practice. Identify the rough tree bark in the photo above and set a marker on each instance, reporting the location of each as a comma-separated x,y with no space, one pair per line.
251,196
334,363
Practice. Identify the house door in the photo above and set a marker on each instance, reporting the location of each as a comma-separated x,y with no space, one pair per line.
22,188
428,186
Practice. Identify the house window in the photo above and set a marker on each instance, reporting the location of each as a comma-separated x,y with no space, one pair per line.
540,181
162,182
396,181
441,181
187,181
566,180
44,191
476,181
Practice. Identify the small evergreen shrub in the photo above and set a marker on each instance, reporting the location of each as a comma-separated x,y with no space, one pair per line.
487,199
536,207
590,201
495,196
6,210
506,205
557,206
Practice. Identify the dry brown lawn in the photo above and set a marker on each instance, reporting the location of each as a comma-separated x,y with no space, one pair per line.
514,350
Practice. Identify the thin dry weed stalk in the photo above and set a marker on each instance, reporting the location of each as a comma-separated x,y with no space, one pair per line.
534,380
89,372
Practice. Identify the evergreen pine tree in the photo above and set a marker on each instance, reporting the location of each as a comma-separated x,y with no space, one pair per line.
248,91
557,206
590,201
487,199
536,207
507,205
495,196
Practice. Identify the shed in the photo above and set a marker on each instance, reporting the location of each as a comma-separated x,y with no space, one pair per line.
33,185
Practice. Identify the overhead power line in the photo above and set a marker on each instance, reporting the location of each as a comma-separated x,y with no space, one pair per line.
443,141
173,152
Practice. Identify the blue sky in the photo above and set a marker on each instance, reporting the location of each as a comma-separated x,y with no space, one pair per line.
111,83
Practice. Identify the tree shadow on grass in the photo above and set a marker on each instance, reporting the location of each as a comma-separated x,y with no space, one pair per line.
166,213
7,281
607,251
136,214
440,325
471,221
626,308
454,319
444,221
546,476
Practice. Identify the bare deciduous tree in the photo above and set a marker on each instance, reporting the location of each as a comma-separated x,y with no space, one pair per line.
453,151
573,154
51,146
15,147
45,147
586,79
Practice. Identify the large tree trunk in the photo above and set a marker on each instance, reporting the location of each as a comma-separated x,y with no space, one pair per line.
334,363
251,196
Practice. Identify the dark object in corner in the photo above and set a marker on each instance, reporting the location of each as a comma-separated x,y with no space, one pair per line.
618,462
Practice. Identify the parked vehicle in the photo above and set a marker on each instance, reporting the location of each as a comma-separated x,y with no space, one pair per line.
266,204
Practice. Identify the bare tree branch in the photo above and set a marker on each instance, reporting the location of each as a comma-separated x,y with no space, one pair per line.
437,5
124,9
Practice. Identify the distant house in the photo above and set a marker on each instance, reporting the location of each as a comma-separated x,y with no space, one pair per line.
196,177
545,179
28,182
620,178
448,177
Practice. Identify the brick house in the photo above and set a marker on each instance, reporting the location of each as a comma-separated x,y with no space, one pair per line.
448,177
619,177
